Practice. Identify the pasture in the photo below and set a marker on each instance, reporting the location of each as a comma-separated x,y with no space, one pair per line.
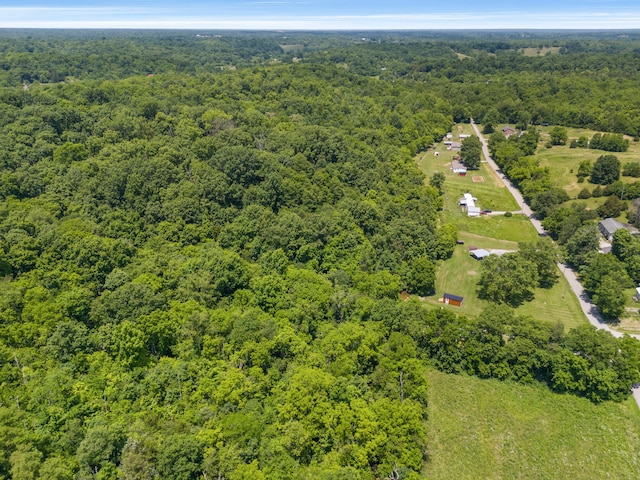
494,429
563,161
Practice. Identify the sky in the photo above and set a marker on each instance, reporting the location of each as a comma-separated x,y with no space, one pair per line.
321,14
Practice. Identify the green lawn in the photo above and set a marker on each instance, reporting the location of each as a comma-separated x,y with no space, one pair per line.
459,275
557,305
630,323
563,161
491,195
488,429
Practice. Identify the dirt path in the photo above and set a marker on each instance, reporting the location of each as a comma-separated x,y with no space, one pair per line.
589,309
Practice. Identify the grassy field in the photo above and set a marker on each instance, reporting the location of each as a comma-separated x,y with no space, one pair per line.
292,48
490,192
563,161
539,52
487,429
630,323
459,275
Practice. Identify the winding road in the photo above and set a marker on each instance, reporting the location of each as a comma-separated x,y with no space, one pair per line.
589,309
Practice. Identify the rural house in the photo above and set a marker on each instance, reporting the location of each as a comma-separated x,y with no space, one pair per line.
508,131
468,203
458,167
609,226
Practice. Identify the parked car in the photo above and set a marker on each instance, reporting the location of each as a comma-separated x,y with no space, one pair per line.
484,212
460,242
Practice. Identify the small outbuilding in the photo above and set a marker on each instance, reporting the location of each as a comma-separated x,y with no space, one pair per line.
473,211
636,297
450,299
479,253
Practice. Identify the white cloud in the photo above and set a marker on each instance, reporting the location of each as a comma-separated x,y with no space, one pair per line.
127,17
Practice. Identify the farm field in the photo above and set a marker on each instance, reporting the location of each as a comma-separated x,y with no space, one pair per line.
540,51
493,430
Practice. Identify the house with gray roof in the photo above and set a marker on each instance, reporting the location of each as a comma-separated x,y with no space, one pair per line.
609,226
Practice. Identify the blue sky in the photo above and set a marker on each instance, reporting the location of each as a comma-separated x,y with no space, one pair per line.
321,14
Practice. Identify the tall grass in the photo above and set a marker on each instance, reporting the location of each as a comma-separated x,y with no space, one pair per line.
487,429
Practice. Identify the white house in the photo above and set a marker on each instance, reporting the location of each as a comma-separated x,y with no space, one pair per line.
458,167
468,200
637,295
473,211
462,136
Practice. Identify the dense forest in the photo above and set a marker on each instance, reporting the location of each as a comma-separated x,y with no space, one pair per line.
203,240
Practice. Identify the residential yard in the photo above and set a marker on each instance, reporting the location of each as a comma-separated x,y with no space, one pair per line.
493,429
491,194
459,275
631,322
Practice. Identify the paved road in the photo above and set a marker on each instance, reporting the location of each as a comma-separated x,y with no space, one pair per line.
525,209
589,309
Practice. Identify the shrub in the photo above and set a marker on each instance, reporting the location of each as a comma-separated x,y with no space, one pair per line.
508,214
597,192
584,194
631,169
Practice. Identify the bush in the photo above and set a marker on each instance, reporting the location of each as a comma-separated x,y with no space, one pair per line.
631,169
580,179
584,194
597,192
508,214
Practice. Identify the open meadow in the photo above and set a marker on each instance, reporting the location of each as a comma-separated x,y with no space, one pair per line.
563,161
492,429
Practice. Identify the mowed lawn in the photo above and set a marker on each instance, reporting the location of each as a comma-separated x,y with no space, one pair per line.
459,275
490,192
630,323
488,429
